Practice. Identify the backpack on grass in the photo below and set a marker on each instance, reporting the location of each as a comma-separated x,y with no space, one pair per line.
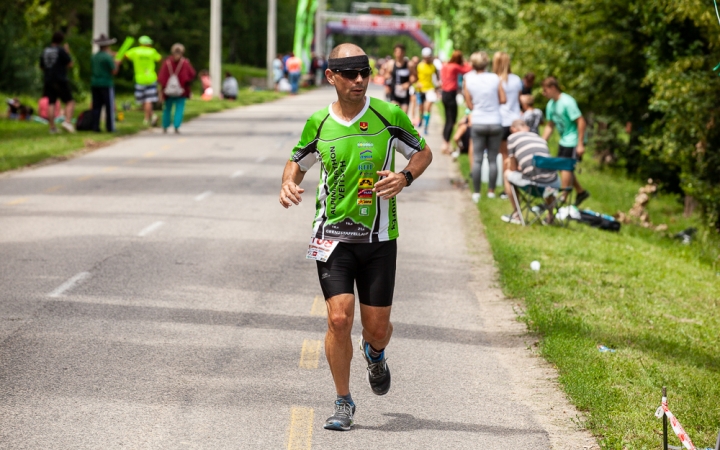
85,121
597,220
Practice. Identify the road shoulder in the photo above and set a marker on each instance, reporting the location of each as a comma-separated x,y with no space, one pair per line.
534,380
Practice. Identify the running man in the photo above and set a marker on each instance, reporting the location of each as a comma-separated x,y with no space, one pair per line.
353,139
427,75
399,78
562,112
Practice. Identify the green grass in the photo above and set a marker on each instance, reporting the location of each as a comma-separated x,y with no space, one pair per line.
640,292
25,143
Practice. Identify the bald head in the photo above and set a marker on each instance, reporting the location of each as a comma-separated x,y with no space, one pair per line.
345,51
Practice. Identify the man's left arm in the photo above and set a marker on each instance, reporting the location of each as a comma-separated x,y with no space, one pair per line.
581,125
393,183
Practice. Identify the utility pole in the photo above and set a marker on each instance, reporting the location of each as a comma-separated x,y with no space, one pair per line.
320,29
215,45
101,21
271,41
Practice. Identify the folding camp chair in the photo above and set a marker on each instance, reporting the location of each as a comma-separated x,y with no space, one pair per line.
530,197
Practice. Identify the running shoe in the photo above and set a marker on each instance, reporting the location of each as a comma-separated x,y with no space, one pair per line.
581,197
503,196
490,195
342,420
511,218
476,197
378,371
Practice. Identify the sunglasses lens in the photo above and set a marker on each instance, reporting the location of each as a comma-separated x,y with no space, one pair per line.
353,74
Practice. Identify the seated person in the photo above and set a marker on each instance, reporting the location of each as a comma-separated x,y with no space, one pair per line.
533,117
462,136
230,87
522,146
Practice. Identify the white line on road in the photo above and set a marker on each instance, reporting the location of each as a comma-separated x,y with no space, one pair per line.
203,196
69,284
262,158
237,174
150,228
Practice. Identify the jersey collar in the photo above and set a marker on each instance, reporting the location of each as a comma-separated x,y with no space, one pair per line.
354,119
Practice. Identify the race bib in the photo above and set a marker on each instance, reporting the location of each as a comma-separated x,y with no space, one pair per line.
320,249
400,92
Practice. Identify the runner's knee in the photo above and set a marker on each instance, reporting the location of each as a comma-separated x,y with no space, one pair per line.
339,321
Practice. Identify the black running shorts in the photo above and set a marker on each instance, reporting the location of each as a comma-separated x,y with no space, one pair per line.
371,266
55,90
568,152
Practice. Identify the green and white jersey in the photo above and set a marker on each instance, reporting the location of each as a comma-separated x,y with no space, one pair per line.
351,153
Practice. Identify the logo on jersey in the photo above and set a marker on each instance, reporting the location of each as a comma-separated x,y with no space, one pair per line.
364,211
363,126
366,167
365,155
365,145
365,193
364,201
366,183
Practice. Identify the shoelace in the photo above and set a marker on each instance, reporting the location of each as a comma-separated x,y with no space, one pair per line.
343,409
377,369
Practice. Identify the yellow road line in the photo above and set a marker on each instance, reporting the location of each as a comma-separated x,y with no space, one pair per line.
17,201
310,354
86,177
53,189
182,139
131,161
165,147
109,169
318,307
149,155
301,428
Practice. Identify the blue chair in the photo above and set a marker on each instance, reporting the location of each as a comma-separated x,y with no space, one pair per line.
530,197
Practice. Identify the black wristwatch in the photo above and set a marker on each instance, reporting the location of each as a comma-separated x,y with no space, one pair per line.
408,176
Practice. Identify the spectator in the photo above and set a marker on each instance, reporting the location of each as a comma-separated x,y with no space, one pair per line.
562,112
278,70
54,62
449,79
484,94
18,111
104,68
522,146
532,116
144,59
512,85
230,87
284,61
175,92
528,83
462,136
206,85
294,68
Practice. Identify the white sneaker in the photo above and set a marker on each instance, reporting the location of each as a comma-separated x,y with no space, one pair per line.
476,197
68,127
455,154
490,195
511,218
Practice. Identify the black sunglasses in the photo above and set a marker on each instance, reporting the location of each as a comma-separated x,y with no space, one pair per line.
353,74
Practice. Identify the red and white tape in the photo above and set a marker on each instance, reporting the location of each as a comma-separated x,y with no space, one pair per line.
675,424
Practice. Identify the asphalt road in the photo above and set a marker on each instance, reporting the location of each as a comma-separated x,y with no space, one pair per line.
156,295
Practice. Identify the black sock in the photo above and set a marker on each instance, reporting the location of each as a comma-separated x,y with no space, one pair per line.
347,398
374,354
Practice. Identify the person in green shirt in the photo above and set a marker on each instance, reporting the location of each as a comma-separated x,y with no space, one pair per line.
144,59
104,68
562,112
355,226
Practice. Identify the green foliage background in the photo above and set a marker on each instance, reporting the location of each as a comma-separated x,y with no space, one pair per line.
648,63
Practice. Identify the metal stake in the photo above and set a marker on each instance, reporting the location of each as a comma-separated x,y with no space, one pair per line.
665,437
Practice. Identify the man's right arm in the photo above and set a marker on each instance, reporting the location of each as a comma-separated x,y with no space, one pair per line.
290,190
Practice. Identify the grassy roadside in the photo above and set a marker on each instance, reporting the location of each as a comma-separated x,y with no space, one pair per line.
640,292
25,143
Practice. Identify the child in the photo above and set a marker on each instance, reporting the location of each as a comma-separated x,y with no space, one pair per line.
533,117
